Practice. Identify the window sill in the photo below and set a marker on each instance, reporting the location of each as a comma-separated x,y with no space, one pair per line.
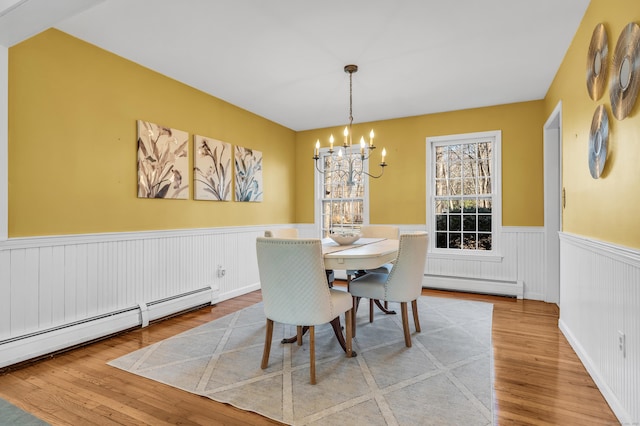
490,257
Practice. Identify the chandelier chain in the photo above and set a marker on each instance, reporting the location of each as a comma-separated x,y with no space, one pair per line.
350,101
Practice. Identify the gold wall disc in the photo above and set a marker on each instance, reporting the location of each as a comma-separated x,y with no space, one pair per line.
598,141
625,69
597,62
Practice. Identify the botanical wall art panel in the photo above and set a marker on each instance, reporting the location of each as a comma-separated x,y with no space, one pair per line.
211,169
248,174
163,162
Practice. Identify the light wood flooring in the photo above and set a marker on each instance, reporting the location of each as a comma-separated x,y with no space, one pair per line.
539,380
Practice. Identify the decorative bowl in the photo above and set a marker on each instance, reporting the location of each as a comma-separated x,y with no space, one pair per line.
345,239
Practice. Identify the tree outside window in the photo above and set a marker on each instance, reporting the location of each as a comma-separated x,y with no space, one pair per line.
463,187
342,198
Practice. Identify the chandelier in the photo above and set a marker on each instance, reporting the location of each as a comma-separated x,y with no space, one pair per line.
349,163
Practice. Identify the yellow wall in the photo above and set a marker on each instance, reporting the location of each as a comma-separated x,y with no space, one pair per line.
72,149
72,144
399,196
605,208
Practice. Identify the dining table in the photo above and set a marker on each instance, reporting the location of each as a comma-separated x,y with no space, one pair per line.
362,254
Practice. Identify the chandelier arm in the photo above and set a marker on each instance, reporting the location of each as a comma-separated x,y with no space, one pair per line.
366,156
341,173
375,176
318,168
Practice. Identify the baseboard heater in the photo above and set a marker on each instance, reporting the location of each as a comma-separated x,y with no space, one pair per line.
475,285
48,341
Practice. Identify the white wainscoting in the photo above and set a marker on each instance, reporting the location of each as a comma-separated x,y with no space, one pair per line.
600,298
519,272
58,292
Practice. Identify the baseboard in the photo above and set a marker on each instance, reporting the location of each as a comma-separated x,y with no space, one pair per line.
616,406
473,285
237,292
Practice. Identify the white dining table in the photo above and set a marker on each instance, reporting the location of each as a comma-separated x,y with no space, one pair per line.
365,253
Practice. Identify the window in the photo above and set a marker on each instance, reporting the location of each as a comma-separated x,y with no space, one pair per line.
464,200
341,193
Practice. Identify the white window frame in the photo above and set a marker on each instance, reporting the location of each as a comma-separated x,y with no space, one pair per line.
318,194
495,253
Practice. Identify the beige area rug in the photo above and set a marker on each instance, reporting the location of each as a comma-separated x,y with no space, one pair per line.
445,378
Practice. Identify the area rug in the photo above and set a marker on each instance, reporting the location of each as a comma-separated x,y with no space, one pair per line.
11,415
445,378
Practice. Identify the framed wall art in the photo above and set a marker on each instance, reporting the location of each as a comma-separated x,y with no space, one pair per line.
211,169
163,162
248,171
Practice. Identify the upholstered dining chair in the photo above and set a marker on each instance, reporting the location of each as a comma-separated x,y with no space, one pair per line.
295,292
376,231
391,232
282,233
293,233
403,284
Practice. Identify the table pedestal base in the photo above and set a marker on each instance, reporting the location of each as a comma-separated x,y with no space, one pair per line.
337,330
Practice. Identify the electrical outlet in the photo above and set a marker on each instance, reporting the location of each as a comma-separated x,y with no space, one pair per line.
221,271
622,343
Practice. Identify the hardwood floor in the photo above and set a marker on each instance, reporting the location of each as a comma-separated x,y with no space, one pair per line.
539,380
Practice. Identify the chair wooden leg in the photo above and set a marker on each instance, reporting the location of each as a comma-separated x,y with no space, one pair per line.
405,324
267,344
349,331
370,310
299,335
416,320
312,354
354,310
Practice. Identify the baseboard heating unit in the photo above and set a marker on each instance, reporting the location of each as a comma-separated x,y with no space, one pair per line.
51,340
474,285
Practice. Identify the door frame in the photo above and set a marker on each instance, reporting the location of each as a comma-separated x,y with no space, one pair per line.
552,203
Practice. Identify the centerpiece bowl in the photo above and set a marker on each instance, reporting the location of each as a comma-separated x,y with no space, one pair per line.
345,239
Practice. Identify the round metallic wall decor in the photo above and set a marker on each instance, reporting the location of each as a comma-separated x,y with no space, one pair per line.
625,69
598,141
597,62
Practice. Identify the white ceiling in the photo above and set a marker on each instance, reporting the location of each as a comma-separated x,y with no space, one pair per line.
284,59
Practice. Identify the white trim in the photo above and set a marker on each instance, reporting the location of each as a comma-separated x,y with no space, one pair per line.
4,143
310,230
496,192
627,255
237,292
552,204
467,256
523,229
61,240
